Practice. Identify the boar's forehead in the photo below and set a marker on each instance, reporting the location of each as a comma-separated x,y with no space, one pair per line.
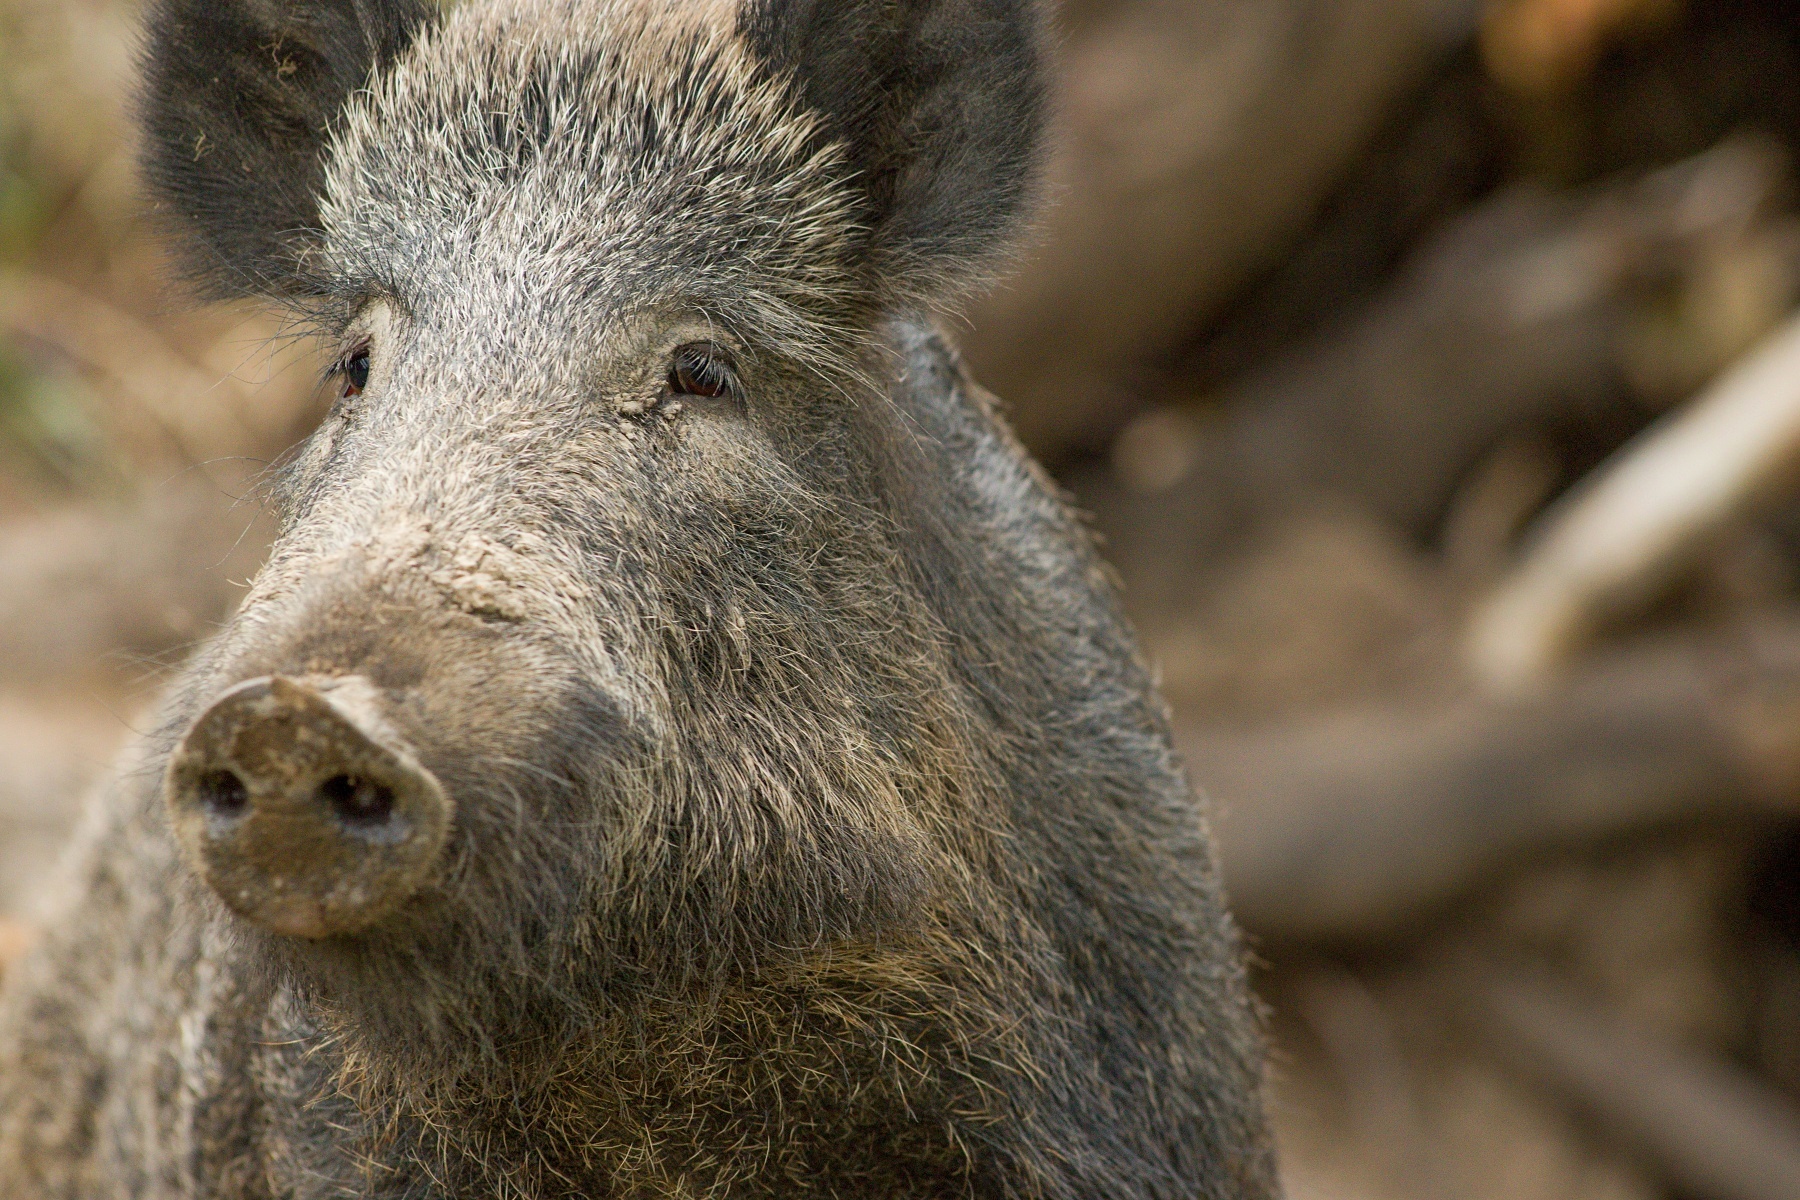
558,156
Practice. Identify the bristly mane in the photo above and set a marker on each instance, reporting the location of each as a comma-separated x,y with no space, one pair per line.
630,159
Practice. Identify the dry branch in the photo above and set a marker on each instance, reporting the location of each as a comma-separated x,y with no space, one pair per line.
1516,314
1360,826
1544,47
1711,1128
1639,519
1512,319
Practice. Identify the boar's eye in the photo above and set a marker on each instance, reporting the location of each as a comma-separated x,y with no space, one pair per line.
704,370
354,371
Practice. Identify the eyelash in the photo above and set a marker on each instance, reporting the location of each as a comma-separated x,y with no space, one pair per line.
703,370
353,370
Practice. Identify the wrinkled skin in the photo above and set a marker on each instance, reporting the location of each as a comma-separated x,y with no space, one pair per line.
816,829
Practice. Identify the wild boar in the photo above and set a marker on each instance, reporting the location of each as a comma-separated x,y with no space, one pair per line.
679,745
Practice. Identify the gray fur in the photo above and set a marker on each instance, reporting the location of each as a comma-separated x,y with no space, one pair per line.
819,831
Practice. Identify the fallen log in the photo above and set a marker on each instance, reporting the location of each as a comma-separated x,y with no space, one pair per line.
1519,313
1196,139
1712,1130
1360,826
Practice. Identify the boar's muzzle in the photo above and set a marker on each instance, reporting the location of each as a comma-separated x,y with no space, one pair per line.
302,808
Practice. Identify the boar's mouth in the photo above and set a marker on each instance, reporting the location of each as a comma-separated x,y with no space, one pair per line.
302,809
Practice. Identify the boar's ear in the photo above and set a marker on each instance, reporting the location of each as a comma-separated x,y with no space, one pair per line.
237,104
941,103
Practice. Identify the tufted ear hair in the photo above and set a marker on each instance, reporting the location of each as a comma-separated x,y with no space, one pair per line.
941,104
237,103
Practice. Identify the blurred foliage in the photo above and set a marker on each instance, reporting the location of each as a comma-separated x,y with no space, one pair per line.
23,212
67,212
44,430
47,426
23,402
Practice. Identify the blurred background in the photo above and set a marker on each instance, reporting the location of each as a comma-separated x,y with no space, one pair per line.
1431,369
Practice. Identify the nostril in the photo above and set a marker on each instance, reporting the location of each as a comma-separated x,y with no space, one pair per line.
358,801
222,793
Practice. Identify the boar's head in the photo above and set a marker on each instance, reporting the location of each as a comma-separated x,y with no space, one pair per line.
600,649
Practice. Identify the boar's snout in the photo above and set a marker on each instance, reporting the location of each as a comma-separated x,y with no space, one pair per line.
302,809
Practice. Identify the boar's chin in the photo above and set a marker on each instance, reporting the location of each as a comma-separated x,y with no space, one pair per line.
399,1002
